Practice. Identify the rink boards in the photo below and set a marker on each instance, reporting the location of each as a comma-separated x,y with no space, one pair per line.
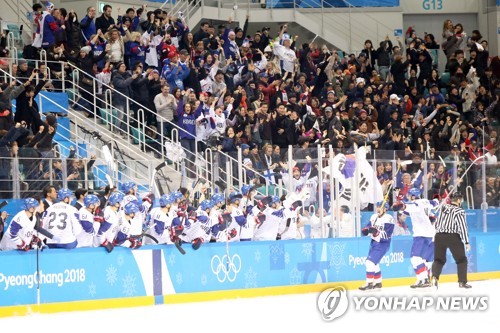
92,278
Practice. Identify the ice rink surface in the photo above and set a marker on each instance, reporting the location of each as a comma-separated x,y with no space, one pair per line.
298,313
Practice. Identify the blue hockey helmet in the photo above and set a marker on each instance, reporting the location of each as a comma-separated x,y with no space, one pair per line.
415,192
383,204
131,208
217,198
115,198
91,199
274,199
206,204
30,203
245,189
64,193
177,195
165,200
127,186
235,196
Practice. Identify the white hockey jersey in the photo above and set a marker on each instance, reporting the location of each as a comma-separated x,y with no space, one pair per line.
90,228
20,230
61,220
419,211
109,228
268,230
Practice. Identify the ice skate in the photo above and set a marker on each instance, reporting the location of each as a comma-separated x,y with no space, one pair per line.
368,286
464,285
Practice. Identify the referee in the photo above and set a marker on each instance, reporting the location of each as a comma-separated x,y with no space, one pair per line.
451,233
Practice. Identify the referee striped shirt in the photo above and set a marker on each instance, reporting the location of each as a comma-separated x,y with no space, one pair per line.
451,220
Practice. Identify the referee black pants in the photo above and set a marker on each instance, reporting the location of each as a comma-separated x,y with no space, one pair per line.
442,242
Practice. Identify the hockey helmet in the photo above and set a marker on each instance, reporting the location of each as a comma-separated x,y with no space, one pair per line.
383,204
165,200
115,198
30,203
63,194
415,192
131,208
127,186
91,199
206,204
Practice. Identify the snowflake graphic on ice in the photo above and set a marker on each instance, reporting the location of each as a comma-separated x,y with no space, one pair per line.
307,250
250,278
111,275
481,248
171,259
92,289
336,252
295,276
128,284
257,256
203,280
287,258
120,260
178,278
276,252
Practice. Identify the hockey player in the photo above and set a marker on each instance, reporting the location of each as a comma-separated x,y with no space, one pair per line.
111,222
20,233
288,224
89,222
197,228
233,218
268,220
124,237
301,181
61,219
420,212
380,229
130,191
246,206
215,213
159,221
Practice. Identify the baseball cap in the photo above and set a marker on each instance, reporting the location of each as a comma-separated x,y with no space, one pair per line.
394,96
245,146
328,109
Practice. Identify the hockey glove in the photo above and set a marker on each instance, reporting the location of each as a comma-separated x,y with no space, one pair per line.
398,206
197,243
98,218
23,246
226,217
108,246
135,243
364,231
222,225
232,233
373,231
432,218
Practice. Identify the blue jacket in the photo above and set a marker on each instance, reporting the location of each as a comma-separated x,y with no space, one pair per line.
50,28
187,121
88,28
175,74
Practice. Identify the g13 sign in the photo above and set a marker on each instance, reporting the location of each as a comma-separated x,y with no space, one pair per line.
432,4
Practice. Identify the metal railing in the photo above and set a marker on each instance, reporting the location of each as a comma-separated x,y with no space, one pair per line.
112,122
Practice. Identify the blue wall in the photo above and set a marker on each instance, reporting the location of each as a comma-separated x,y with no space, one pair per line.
92,274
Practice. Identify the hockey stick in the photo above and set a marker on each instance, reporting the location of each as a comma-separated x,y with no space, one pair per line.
152,183
3,204
459,181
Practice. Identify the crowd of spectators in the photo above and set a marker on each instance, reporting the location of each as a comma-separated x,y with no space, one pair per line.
263,91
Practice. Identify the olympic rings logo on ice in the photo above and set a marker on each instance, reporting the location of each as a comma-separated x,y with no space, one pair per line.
226,268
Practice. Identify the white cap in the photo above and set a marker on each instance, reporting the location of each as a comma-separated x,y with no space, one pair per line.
394,96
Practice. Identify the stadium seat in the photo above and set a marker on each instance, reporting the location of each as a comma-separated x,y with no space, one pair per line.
445,78
16,33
